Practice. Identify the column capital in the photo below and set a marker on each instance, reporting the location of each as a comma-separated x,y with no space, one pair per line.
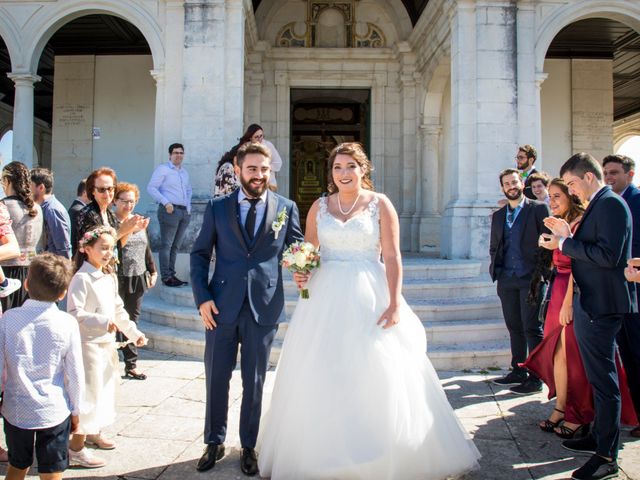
430,129
24,79
158,76
540,78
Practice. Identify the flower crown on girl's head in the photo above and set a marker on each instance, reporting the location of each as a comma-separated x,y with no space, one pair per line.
93,235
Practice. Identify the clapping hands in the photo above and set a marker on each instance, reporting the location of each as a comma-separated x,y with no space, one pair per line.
558,226
631,273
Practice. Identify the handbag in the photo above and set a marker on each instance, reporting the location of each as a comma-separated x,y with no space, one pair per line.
545,298
147,279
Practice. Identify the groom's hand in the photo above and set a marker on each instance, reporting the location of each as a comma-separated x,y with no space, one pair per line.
207,310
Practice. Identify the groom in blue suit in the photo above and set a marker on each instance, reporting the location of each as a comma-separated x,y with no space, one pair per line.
243,302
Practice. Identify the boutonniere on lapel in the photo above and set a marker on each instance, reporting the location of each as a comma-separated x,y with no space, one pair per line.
278,223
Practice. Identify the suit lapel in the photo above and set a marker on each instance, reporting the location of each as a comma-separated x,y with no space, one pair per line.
501,219
234,217
590,208
269,216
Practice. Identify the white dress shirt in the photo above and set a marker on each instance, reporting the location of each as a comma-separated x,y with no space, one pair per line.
41,355
276,161
170,184
244,205
94,301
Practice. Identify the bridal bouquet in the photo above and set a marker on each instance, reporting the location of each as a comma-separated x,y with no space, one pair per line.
301,257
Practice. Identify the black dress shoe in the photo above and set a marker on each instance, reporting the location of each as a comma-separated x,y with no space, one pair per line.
531,385
171,282
179,282
212,453
596,468
249,462
512,378
581,445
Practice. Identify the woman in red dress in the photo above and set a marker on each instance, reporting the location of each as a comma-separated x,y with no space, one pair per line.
557,359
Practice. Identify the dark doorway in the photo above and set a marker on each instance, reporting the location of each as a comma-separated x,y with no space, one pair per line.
320,120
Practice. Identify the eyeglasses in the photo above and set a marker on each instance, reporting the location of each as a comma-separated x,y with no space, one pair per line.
521,157
126,202
105,189
258,137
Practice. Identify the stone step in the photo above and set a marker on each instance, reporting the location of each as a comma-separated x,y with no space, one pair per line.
470,355
156,311
443,357
163,312
417,289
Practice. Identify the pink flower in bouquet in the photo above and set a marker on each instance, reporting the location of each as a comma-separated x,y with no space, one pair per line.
301,257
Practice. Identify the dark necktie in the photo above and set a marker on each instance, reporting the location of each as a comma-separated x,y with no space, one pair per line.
511,216
250,222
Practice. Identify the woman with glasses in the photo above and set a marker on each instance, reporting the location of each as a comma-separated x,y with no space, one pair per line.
136,272
101,185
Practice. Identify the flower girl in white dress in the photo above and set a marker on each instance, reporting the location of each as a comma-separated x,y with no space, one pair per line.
355,396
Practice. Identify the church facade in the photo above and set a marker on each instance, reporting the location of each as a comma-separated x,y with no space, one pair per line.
440,92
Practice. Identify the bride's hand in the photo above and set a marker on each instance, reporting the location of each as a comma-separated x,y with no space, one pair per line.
301,279
389,317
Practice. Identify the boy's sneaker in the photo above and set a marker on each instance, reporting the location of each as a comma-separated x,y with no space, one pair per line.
85,459
13,284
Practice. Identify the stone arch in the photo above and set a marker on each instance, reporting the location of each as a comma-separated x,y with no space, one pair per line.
10,34
618,140
432,105
395,9
620,10
47,21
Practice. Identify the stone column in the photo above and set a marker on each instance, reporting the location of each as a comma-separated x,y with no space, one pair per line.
537,119
283,124
23,117
408,157
212,99
430,219
484,120
528,95
159,140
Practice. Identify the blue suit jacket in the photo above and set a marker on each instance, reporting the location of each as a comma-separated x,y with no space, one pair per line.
632,197
242,267
599,251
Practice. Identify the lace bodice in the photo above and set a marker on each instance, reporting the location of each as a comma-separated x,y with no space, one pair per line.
357,239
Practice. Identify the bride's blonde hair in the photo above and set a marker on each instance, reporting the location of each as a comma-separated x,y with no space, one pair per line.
356,151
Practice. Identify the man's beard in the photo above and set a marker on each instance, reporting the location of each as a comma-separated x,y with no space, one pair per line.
253,190
511,196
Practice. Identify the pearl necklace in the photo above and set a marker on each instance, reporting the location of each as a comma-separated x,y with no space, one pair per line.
352,206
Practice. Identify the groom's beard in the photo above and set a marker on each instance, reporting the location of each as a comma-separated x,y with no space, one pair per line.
252,188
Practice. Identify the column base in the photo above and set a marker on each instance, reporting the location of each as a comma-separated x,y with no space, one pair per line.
429,232
466,227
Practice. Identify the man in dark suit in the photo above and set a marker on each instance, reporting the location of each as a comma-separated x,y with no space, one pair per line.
78,204
599,250
244,301
515,229
525,158
618,174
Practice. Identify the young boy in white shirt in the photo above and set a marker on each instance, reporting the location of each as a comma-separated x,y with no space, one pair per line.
41,356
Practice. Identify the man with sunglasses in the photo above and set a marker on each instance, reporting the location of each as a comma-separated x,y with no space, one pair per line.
57,224
171,188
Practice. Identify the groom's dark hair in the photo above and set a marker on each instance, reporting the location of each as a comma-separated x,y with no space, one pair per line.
248,148
581,163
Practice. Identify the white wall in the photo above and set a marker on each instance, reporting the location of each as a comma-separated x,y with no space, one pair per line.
577,110
555,101
124,111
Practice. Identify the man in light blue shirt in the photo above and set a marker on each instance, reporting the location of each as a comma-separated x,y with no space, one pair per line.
57,224
171,188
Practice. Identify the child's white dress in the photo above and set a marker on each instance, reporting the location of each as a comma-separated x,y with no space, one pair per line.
94,301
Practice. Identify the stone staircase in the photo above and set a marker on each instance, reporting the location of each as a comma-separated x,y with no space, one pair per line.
455,301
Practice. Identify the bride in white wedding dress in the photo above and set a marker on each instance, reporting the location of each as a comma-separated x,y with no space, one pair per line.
355,396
